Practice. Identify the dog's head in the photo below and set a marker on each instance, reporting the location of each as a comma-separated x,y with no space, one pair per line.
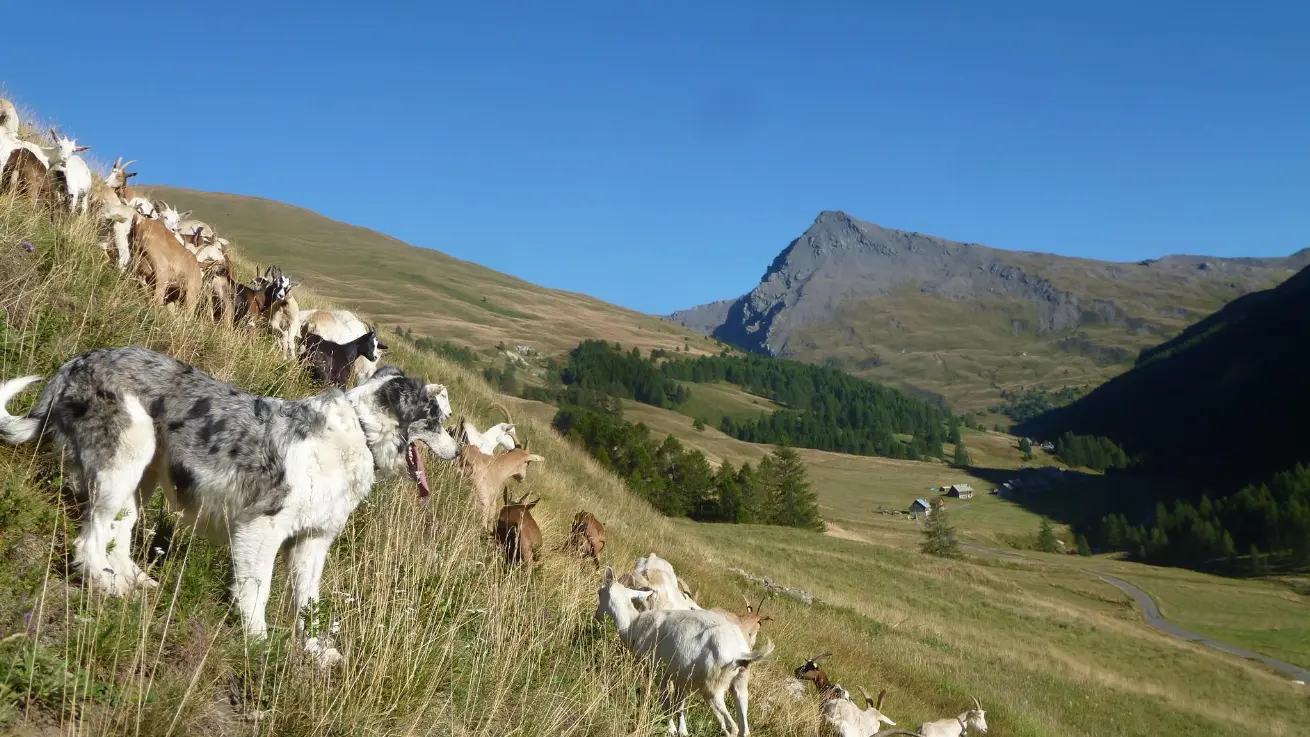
418,414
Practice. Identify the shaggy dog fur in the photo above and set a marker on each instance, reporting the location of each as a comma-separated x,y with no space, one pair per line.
258,473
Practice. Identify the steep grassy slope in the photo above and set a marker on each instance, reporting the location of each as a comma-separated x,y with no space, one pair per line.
967,321
1224,403
440,640
404,286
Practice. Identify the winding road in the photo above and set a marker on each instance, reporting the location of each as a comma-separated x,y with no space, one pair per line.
1156,620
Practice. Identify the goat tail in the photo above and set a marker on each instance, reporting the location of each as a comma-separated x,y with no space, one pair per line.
759,653
16,430
503,411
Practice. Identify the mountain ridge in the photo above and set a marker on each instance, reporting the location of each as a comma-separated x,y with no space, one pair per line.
809,301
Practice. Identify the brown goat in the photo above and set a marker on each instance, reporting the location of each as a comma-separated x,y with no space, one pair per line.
516,530
819,677
749,623
221,288
488,473
587,536
26,175
164,263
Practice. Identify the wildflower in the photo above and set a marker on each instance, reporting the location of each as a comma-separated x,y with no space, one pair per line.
27,246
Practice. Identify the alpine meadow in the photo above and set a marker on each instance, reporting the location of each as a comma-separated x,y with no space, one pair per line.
267,473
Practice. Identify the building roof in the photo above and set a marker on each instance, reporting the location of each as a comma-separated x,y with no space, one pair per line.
961,487
922,503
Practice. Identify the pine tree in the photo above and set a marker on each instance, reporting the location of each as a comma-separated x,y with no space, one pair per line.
698,424
1026,447
1046,540
794,503
962,459
1084,549
939,537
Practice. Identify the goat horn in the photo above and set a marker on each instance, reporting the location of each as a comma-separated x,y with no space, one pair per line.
748,603
868,700
976,703
133,161
882,696
501,407
118,163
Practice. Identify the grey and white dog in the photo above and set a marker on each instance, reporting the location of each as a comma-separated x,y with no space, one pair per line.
254,472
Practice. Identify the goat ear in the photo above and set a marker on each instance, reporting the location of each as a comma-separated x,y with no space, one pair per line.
382,346
129,175
534,502
53,134
82,148
642,594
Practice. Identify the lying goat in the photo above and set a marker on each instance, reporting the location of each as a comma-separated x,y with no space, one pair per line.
517,531
842,718
971,721
697,651
489,473
587,536
330,363
750,622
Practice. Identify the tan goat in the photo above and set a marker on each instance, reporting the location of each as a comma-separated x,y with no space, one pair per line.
516,530
489,473
750,622
164,263
587,536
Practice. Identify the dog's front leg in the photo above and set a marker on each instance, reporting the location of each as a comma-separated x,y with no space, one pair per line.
255,546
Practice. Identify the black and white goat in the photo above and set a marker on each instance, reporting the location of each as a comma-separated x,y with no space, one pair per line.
330,363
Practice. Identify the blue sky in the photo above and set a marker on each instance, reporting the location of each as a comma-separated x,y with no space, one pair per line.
660,156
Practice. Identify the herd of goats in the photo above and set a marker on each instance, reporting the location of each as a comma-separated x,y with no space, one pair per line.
183,261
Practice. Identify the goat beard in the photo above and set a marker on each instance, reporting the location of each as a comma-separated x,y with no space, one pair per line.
414,457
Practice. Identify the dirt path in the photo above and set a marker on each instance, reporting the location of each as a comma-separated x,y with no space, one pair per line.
1153,617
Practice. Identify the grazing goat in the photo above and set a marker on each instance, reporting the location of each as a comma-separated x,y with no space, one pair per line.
163,262
330,363
811,672
72,172
501,435
587,536
697,651
842,718
750,621
489,473
338,326
517,531
657,574
973,720
26,175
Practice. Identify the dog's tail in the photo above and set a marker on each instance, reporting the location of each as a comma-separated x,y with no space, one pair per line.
15,430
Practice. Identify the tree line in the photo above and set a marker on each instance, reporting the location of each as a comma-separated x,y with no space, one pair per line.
681,483
1089,451
1261,527
823,408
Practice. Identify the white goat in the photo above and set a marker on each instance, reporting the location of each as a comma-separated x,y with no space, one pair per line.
189,226
170,217
74,172
697,650
502,434
10,140
655,573
842,718
119,216
971,721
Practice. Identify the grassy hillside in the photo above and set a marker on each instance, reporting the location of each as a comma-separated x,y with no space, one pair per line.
1223,403
401,285
439,639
